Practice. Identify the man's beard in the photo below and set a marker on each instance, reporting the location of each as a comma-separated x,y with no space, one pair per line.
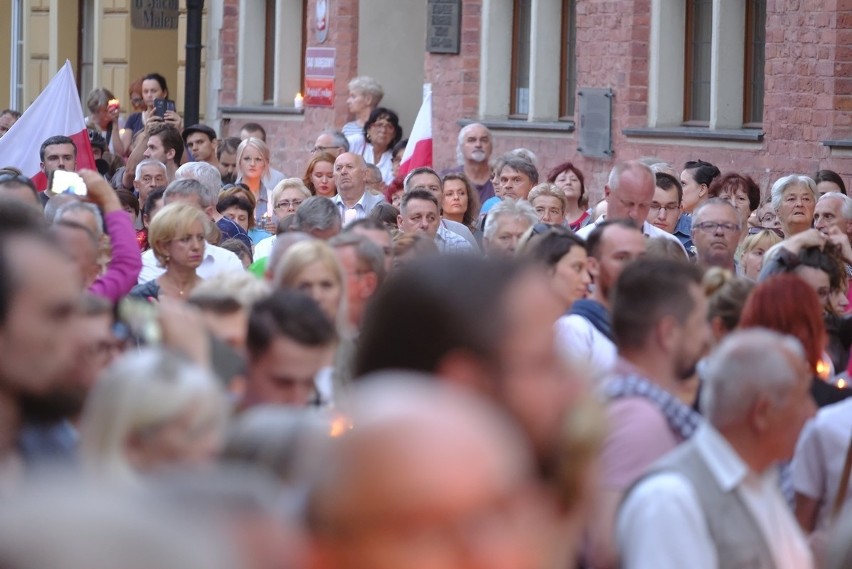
53,406
478,156
229,178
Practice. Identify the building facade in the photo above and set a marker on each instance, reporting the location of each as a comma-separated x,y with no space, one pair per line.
761,87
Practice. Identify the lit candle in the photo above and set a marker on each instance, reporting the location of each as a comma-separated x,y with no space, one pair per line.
299,101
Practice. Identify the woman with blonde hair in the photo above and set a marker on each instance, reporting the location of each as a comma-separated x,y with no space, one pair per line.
287,196
252,167
177,235
151,410
313,268
752,249
319,176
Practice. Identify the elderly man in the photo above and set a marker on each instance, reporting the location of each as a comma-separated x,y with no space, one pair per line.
419,213
716,233
331,141
505,225
629,192
659,320
150,173
473,153
794,199
414,487
834,210
350,177
427,179
715,501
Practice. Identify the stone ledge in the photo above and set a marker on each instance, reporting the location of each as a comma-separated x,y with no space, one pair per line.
260,110
843,144
699,133
522,125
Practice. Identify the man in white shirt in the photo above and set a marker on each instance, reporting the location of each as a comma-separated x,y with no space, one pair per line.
629,193
352,199
714,502
216,260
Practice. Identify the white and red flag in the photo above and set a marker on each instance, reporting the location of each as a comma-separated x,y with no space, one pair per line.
418,151
56,111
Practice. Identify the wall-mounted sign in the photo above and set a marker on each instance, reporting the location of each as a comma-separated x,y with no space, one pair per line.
319,76
443,26
154,14
321,20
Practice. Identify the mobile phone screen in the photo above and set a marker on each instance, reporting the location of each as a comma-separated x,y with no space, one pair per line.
160,107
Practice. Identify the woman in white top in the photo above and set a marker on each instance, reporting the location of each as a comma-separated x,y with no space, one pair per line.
382,132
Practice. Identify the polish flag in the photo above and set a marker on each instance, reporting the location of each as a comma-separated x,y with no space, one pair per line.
418,151
56,111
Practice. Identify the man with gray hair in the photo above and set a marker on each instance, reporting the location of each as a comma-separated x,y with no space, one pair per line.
834,210
473,152
504,226
318,217
350,177
211,180
629,192
364,264
425,178
216,260
331,141
715,502
716,234
150,173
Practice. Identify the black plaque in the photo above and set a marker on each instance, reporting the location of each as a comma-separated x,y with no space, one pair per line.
444,29
595,132
154,14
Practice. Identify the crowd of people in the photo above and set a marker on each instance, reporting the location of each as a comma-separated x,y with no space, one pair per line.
208,361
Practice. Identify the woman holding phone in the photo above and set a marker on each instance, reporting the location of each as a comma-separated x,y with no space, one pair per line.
153,88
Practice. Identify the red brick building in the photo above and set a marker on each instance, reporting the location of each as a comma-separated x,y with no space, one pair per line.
763,87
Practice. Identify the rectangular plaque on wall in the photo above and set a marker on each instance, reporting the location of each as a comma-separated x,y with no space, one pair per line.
443,26
154,14
595,132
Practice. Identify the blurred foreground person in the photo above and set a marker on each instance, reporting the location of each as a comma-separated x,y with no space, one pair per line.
151,411
715,501
409,487
66,524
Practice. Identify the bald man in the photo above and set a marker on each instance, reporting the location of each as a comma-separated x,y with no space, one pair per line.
413,488
352,199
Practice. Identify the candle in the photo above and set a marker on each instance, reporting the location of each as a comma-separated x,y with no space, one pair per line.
299,101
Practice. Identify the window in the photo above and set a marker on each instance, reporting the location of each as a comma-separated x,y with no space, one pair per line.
720,46
699,40
568,82
521,36
755,61
521,79
270,60
269,53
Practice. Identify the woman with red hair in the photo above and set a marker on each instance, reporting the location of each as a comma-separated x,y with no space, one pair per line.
787,304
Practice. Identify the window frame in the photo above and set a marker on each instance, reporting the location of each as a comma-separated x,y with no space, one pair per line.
568,61
749,64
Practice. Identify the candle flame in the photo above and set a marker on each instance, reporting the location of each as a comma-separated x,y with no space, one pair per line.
339,425
841,383
822,369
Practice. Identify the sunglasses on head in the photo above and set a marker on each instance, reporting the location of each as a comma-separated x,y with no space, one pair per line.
775,230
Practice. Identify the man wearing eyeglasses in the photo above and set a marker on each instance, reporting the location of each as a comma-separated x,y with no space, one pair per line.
331,141
716,234
666,209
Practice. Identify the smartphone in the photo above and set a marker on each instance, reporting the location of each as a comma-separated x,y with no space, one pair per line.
64,182
163,105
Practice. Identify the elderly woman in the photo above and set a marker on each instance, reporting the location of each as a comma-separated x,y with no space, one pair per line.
794,199
549,203
741,191
252,167
287,196
382,132
150,411
569,179
459,201
319,176
177,235
365,94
